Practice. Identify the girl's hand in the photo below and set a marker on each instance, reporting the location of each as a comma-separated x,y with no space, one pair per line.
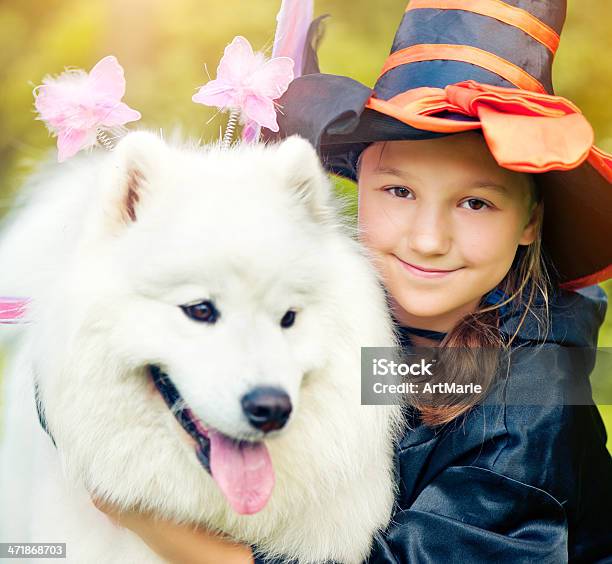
178,544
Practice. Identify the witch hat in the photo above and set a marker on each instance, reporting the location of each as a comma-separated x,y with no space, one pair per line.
461,65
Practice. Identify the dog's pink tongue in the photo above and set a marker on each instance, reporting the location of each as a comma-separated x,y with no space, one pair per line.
243,471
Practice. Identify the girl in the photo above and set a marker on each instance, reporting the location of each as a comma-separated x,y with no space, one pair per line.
483,202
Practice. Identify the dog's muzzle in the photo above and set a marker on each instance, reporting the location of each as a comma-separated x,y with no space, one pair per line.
242,469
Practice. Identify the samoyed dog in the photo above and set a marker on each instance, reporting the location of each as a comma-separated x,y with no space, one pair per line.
193,345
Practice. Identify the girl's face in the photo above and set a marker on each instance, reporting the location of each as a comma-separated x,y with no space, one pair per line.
443,221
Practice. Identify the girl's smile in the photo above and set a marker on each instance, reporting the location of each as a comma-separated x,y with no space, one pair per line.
424,272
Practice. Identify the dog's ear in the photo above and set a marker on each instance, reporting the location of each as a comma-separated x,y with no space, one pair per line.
305,175
138,160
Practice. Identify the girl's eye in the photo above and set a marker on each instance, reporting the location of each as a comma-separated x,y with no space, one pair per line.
474,204
288,319
400,192
204,311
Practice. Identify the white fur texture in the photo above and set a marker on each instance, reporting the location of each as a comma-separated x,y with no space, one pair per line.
256,230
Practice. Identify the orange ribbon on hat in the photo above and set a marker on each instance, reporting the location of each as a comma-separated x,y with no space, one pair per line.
525,131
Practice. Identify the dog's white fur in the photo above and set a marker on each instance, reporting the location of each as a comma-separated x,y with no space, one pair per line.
256,229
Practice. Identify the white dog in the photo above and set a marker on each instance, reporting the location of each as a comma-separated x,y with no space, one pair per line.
219,283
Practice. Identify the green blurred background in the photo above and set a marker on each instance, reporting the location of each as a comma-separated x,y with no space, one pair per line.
163,46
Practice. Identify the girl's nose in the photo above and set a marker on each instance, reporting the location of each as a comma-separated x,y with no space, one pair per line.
429,232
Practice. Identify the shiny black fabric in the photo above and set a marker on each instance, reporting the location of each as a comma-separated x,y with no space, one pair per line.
328,110
509,483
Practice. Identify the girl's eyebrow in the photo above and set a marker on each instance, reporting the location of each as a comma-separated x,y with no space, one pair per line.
488,184
394,171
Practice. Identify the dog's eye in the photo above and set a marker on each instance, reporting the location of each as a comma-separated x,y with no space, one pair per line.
288,319
202,311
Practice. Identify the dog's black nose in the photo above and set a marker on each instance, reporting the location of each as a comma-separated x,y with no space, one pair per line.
267,409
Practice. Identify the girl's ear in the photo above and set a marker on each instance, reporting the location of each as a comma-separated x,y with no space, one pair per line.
303,173
138,165
533,227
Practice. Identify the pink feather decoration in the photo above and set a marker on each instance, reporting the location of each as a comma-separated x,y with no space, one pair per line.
76,104
292,23
12,310
248,83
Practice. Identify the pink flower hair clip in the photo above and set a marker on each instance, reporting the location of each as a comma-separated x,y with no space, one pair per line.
248,84
85,109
